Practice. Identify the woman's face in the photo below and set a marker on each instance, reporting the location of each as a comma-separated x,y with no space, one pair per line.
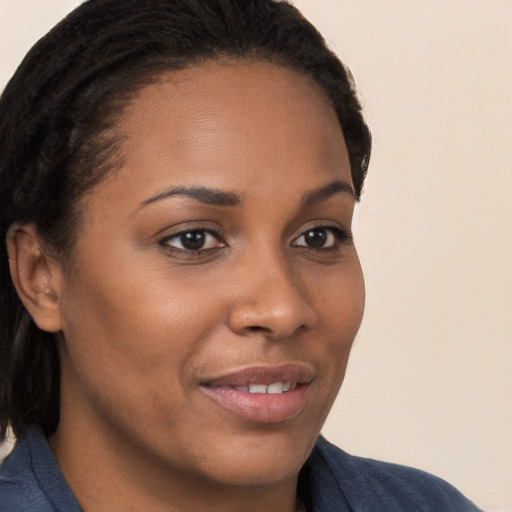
214,292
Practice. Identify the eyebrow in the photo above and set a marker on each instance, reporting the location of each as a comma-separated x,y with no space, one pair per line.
201,194
223,198
323,193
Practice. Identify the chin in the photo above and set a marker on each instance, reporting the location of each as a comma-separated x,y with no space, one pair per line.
258,459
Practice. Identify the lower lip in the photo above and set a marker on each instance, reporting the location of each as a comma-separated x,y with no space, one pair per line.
260,407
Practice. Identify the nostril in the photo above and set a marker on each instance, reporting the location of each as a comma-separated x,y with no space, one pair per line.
257,328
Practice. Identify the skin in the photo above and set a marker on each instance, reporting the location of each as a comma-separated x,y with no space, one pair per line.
143,323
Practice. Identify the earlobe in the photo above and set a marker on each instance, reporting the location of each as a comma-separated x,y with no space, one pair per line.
35,275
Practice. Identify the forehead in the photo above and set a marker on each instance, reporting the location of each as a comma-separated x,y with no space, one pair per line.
227,85
243,127
243,106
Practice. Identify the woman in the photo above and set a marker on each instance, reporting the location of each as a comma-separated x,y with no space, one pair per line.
180,288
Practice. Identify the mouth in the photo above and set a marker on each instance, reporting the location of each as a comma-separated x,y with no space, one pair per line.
262,394
275,388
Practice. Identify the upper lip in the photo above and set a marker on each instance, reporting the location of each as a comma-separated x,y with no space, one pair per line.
264,374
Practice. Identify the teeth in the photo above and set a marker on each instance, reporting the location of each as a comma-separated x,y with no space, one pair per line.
275,388
258,388
272,389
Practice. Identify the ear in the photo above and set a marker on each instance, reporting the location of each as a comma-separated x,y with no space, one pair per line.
36,276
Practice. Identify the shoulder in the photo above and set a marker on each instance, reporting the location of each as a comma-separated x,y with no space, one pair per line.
30,478
390,486
19,489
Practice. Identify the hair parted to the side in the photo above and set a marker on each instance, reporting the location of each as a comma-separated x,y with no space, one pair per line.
56,142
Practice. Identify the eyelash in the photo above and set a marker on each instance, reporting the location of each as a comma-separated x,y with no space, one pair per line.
165,241
341,237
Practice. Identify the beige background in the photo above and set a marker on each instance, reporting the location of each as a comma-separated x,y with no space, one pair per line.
430,380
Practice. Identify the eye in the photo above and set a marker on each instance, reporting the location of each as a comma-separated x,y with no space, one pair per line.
322,237
193,240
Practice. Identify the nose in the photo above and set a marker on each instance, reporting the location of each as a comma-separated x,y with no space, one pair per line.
270,302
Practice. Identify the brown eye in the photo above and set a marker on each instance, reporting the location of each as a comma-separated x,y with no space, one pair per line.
316,238
193,240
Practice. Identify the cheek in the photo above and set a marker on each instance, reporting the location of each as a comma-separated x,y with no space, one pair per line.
340,299
338,295
131,340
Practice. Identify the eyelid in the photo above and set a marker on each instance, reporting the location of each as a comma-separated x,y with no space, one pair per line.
341,236
199,224
164,240
324,224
